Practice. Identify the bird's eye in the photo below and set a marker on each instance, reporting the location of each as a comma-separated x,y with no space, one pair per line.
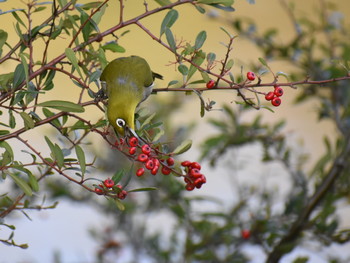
120,123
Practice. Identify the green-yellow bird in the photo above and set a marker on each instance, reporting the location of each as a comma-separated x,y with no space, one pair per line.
128,81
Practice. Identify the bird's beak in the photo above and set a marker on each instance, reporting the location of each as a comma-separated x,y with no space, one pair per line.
130,132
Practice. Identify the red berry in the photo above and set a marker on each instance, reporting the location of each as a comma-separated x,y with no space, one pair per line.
156,162
195,173
146,149
155,170
122,194
132,150
245,234
98,191
186,163
250,75
150,164
278,91
170,161
195,165
109,183
276,101
142,157
166,170
210,84
198,184
189,187
133,141
140,171
270,95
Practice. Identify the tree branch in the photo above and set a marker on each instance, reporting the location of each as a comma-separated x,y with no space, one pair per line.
288,242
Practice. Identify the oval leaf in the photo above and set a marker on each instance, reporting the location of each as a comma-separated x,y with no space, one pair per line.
183,147
201,37
81,158
73,59
183,69
143,189
62,105
22,184
170,38
28,121
168,20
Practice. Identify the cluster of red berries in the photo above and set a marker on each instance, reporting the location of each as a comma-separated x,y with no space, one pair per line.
154,161
194,178
148,157
274,96
109,186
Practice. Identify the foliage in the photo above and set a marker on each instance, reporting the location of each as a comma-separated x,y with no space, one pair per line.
65,152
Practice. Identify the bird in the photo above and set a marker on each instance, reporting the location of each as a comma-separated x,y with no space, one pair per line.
126,81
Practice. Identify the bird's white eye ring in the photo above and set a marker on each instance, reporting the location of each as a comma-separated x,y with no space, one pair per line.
120,123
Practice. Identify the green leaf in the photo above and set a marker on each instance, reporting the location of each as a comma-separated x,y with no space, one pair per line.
281,73
205,76
62,3
173,82
202,112
168,20
227,33
170,38
114,47
102,58
198,60
33,182
163,2
22,184
143,189
216,2
48,85
84,20
62,105
58,153
200,9
6,80
158,134
262,61
225,8
4,132
19,76
81,158
118,176
20,34
148,120
183,147
3,38
183,69
73,59
28,121
268,108
49,114
211,58
19,20
7,156
200,39
229,64
119,204
12,120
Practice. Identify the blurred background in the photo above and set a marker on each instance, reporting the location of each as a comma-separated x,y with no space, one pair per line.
68,232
